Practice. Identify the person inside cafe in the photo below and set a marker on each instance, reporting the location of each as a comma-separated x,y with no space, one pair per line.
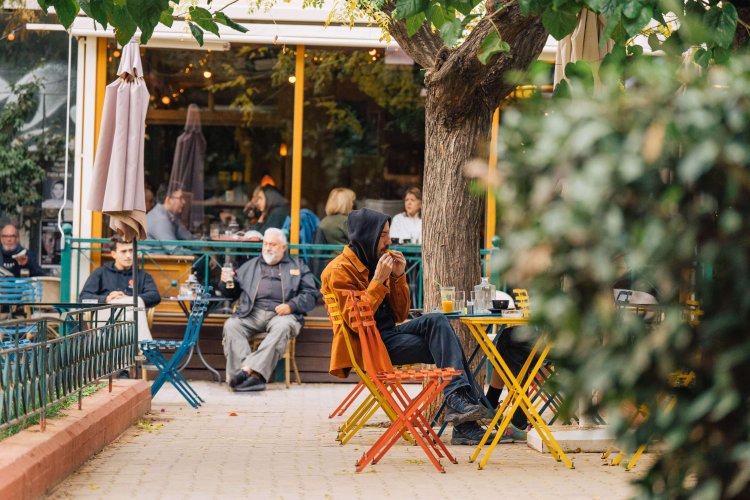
275,291
407,226
272,207
150,198
112,283
367,265
163,221
17,260
338,207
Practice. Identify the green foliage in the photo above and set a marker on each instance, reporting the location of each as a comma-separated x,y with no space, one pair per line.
680,25
127,16
20,172
652,182
492,44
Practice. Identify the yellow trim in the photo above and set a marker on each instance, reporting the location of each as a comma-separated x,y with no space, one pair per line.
299,105
101,84
491,207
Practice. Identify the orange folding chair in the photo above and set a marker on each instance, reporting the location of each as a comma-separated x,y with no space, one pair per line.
372,401
388,383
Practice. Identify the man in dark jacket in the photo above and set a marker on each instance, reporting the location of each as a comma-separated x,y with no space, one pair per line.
366,264
274,291
112,283
15,257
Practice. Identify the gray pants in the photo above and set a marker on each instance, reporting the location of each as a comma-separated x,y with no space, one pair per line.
238,332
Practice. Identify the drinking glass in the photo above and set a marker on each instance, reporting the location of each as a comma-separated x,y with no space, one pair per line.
460,302
447,297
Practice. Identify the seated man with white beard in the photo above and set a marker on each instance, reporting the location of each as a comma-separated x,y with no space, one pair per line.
275,291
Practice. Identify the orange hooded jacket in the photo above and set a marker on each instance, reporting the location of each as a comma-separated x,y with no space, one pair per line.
346,272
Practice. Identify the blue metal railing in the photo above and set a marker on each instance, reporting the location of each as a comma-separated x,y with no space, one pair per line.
36,372
207,257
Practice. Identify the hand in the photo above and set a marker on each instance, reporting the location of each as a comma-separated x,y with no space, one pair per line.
227,274
399,263
22,260
384,268
114,296
283,309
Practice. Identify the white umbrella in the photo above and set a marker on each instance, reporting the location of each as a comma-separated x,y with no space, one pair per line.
117,189
584,44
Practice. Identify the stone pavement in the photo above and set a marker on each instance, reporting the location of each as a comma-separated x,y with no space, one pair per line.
279,444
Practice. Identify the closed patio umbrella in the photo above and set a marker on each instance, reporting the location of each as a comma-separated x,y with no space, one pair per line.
187,165
584,44
117,189
118,186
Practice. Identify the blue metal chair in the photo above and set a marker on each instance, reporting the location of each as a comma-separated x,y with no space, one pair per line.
168,368
18,292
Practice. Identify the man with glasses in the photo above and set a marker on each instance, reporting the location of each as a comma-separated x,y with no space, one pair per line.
275,291
163,221
17,260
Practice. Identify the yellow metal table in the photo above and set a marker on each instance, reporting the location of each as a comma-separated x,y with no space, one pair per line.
517,392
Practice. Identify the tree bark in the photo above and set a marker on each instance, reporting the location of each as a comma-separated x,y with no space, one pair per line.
462,95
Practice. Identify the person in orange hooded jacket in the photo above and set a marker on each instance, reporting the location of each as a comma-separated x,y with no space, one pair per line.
366,264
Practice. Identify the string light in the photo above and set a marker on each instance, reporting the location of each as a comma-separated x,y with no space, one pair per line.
207,74
166,100
292,79
116,53
373,52
11,35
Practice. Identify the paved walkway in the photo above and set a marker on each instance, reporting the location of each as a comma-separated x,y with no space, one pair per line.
280,445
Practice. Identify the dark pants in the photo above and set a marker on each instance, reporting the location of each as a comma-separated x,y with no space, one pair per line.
430,339
515,351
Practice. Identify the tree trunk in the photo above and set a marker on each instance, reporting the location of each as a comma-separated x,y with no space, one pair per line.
452,217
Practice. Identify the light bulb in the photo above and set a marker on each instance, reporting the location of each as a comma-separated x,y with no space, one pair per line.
292,79
166,100
207,75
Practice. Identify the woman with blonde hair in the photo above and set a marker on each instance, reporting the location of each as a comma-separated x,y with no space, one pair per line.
333,226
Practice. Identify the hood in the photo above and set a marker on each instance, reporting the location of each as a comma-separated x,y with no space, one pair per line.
274,198
111,266
364,232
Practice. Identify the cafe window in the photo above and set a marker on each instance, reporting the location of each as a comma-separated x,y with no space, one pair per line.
40,59
245,115
363,122
363,125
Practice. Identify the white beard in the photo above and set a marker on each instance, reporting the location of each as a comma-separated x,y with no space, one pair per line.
271,258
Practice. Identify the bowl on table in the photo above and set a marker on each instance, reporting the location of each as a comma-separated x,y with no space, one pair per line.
500,304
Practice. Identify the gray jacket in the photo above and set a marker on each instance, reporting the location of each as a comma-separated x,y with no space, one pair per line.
297,286
162,225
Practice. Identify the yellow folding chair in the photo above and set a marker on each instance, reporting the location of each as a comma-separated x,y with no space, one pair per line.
374,399
692,313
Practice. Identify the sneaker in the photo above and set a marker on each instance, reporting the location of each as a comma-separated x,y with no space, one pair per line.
459,409
513,434
252,384
238,378
469,434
